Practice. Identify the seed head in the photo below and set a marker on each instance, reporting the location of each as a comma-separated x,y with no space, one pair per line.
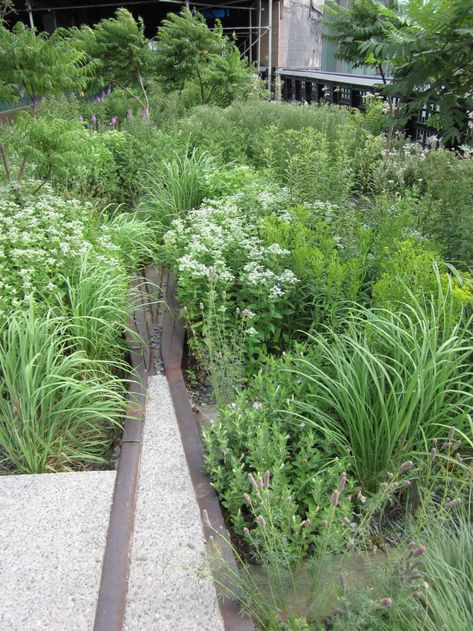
261,521
453,503
406,466
246,532
247,499
385,602
252,481
433,454
451,433
417,552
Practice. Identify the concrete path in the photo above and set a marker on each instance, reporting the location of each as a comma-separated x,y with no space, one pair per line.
170,587
52,537
53,531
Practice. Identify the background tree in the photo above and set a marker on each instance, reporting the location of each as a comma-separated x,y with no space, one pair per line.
432,57
428,47
189,52
6,7
122,54
360,23
35,65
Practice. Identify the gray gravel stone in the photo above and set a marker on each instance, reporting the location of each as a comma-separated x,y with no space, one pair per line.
170,587
52,537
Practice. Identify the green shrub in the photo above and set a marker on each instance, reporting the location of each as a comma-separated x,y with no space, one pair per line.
327,281
446,205
253,435
217,244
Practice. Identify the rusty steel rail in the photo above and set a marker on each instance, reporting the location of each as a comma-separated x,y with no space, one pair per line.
156,322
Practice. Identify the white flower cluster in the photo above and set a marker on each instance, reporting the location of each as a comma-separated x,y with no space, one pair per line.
218,240
41,238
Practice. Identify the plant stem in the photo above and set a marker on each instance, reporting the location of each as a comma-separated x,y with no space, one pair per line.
130,93
48,176
140,79
3,153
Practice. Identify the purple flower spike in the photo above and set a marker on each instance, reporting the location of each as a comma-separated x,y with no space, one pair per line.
113,122
146,113
94,119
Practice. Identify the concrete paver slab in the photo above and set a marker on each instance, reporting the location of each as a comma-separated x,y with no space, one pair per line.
53,529
170,586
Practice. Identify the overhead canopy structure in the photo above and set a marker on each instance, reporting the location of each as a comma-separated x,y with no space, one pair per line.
49,14
249,21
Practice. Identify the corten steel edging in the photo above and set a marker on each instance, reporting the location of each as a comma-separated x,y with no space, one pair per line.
111,603
171,351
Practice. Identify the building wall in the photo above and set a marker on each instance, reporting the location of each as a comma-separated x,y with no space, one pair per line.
301,34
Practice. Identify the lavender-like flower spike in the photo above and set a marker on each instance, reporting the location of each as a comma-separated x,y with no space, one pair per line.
261,521
247,499
343,481
246,532
406,466
266,479
334,498
451,433
252,481
433,454
418,552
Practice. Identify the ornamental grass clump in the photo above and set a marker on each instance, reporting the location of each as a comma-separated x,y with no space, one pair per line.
174,186
59,410
387,385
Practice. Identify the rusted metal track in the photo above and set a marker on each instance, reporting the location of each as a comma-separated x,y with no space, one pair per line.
111,601
156,341
172,349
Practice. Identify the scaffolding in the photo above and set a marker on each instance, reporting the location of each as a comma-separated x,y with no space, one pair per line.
259,26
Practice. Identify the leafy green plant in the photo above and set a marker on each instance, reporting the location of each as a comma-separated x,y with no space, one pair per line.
385,385
58,410
121,54
222,348
188,51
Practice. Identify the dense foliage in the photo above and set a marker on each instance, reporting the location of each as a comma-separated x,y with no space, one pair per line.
324,277
425,45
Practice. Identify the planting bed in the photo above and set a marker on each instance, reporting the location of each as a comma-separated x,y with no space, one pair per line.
130,552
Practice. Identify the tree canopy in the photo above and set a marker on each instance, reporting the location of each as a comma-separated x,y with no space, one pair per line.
428,45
